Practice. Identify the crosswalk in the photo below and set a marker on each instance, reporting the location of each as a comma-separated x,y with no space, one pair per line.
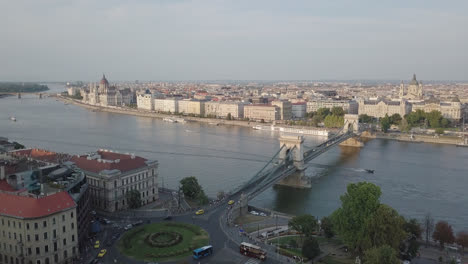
252,261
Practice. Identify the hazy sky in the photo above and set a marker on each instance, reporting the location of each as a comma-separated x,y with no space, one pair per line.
260,40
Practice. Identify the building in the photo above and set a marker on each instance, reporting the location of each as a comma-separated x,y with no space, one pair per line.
39,230
223,109
452,110
106,95
192,107
73,90
380,108
299,109
262,112
169,105
112,175
349,106
145,101
285,109
415,90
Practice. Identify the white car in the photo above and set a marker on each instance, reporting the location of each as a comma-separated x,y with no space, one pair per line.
263,214
127,227
254,213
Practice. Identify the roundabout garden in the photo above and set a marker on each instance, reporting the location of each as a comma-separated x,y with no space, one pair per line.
162,241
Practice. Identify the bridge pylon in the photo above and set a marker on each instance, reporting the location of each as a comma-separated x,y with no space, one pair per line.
293,152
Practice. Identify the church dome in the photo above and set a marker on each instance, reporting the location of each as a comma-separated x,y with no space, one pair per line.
104,80
414,81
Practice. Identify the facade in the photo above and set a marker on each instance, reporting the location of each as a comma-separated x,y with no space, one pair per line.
298,110
112,175
73,90
105,95
222,109
145,101
450,109
285,109
170,105
262,112
192,107
349,106
380,108
415,90
38,230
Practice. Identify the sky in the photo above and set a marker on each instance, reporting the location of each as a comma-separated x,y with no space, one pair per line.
68,40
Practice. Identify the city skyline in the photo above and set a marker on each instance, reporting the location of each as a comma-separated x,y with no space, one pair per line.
216,40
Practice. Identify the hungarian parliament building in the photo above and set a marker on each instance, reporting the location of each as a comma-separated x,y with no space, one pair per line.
105,95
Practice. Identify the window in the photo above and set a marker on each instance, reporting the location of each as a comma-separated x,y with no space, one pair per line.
45,235
73,238
47,261
55,246
36,237
56,258
55,233
38,251
8,223
72,225
29,238
14,224
36,225
64,229
27,226
53,221
46,248
44,224
73,250
63,218
38,262
71,214
115,184
64,241
65,255
29,251
14,235
19,225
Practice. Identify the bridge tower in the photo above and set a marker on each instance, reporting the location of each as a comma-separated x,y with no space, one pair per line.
19,95
293,145
351,124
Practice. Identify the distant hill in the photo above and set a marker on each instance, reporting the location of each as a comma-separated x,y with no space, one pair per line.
11,87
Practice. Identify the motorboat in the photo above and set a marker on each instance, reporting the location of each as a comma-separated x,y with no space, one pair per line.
369,171
12,118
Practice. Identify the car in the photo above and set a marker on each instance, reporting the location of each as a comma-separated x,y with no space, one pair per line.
96,244
102,253
254,213
263,214
128,227
200,212
231,202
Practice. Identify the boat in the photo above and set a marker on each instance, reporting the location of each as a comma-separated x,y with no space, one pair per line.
12,118
369,170
179,120
257,127
168,119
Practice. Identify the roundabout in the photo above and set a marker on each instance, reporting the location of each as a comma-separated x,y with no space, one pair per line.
163,241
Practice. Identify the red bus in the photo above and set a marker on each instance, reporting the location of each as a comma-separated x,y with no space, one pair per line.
254,251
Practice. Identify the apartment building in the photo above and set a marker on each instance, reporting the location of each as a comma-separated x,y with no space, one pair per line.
262,112
349,106
285,109
222,109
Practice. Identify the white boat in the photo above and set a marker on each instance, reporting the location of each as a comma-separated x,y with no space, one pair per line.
168,119
12,118
179,120
257,127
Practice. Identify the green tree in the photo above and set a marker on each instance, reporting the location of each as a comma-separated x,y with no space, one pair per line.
201,198
357,207
310,248
404,126
434,118
333,121
323,112
445,122
365,118
395,119
18,145
443,233
413,228
133,199
439,131
385,123
190,187
381,255
327,226
386,227
337,111
305,224
316,120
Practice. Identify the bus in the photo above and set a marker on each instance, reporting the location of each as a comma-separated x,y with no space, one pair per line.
202,252
254,251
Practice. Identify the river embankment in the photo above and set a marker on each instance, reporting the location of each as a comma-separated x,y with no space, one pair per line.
416,138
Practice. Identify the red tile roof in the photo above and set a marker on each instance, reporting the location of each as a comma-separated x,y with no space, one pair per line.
29,207
38,154
126,163
4,186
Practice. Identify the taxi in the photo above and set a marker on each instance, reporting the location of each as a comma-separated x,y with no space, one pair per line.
102,253
96,244
200,212
231,202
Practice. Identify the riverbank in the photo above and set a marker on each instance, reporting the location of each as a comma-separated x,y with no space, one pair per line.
211,121
416,138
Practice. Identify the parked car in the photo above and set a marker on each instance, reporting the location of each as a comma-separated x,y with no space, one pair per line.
231,202
128,227
102,253
96,244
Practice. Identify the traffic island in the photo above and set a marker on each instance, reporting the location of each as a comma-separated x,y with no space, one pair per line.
162,241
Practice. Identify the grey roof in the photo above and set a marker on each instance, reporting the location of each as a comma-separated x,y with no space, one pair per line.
414,81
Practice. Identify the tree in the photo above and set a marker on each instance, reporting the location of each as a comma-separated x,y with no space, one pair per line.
413,228
357,207
323,112
229,116
443,233
333,121
190,187
381,255
133,199
293,243
316,120
201,198
404,126
327,227
305,224
439,131
385,123
221,195
428,226
395,119
434,118
411,246
310,248
462,240
363,118
18,145
337,111
386,228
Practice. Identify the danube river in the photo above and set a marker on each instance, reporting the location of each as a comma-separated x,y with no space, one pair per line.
414,178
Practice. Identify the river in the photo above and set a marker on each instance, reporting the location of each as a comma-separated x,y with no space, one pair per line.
415,178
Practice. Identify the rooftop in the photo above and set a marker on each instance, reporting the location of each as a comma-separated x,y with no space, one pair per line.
31,207
107,160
